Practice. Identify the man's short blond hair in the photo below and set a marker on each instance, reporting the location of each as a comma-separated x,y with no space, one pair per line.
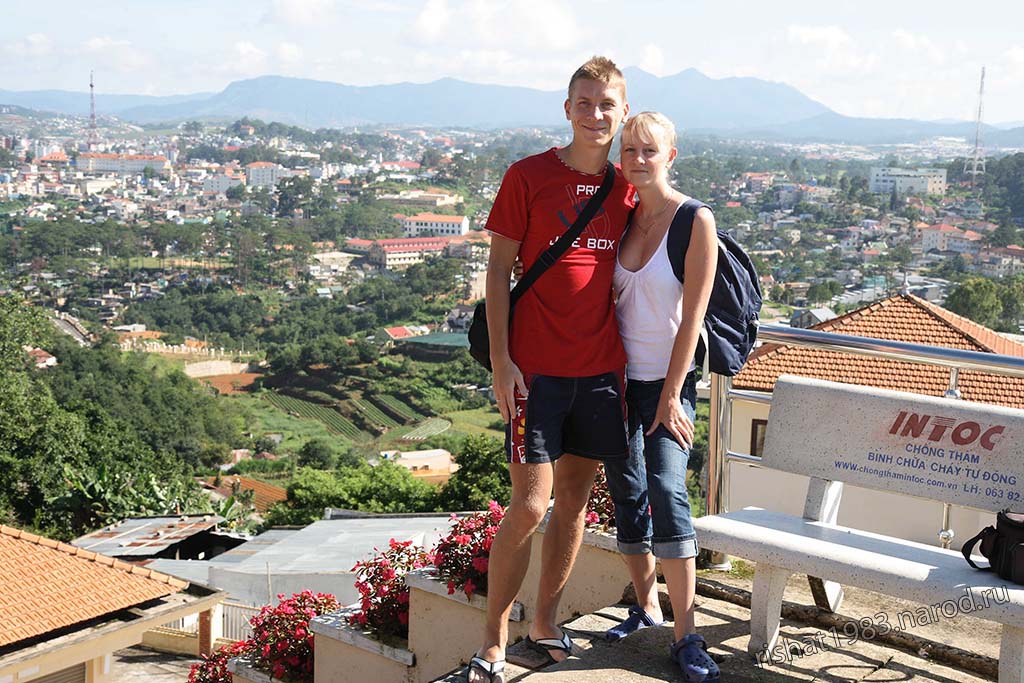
602,70
648,126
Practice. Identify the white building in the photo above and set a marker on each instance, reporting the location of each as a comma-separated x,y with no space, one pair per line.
124,164
905,181
265,174
220,183
435,225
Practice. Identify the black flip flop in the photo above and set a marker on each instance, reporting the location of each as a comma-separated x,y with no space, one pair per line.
545,646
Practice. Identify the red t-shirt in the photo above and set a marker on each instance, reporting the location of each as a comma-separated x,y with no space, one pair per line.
564,325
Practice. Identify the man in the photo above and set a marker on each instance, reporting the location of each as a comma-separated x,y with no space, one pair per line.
558,375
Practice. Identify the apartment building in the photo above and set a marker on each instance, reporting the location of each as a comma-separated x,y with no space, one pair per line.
435,225
123,164
919,181
265,174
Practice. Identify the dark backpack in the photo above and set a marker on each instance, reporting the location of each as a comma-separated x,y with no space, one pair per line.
731,318
1002,546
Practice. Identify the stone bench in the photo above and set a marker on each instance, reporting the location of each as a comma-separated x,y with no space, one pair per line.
949,451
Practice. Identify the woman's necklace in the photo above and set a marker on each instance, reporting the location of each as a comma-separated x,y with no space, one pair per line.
644,226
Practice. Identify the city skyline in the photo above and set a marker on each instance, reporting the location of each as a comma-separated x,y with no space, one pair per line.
913,60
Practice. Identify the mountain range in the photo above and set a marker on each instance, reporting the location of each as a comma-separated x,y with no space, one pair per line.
748,108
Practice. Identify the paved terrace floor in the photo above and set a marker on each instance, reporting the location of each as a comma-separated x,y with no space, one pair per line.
643,657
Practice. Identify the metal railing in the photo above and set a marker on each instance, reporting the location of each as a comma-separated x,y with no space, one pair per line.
723,395
236,620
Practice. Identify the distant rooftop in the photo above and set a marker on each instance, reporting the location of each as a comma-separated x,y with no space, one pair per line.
904,318
145,536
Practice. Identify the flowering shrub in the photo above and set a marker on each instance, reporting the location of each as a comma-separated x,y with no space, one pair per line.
384,597
281,641
214,667
600,508
280,644
462,556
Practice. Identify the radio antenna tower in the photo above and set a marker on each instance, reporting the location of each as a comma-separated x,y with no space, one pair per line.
94,136
975,166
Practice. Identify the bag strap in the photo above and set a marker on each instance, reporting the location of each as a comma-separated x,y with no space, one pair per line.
555,251
969,546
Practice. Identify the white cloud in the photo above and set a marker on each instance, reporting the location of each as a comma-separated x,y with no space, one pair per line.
32,45
919,45
247,59
99,43
525,26
832,49
653,60
432,21
299,13
289,52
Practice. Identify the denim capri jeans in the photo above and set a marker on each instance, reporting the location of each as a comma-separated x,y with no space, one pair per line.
652,509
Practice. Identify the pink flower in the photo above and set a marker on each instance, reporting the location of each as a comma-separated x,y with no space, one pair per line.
480,564
592,517
451,587
469,587
463,539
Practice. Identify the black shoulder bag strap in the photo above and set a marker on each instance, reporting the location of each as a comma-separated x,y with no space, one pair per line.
968,548
555,251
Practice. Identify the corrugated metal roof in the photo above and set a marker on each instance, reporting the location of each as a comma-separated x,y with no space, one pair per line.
145,536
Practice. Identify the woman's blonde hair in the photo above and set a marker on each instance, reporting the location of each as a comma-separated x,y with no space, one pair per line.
649,126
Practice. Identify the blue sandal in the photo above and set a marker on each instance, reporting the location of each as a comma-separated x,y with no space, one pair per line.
691,654
636,620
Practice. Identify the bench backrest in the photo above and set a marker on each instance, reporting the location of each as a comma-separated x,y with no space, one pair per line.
958,452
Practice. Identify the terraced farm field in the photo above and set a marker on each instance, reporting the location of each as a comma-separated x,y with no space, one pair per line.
373,413
429,427
400,408
331,418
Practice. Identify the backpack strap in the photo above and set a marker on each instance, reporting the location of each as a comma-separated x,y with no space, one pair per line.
679,233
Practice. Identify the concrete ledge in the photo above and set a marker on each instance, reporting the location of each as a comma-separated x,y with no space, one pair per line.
592,537
427,580
242,671
335,625
597,580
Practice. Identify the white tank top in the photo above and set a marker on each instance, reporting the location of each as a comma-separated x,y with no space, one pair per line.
649,309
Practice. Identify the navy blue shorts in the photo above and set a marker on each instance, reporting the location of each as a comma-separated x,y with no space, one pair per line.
584,416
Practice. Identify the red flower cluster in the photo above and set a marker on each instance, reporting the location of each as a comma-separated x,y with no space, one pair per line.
281,642
462,556
384,597
600,508
214,667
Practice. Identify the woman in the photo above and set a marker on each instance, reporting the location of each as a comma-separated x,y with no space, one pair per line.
659,320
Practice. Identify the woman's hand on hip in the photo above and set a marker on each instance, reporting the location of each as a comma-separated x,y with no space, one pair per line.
676,421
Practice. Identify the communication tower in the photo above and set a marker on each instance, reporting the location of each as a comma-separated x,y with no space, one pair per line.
975,165
94,136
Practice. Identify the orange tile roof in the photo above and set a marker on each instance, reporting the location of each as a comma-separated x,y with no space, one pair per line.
264,495
46,585
436,218
902,318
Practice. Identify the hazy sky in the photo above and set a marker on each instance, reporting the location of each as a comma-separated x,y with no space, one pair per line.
919,59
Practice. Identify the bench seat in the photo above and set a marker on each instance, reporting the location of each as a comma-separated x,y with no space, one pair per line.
884,564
